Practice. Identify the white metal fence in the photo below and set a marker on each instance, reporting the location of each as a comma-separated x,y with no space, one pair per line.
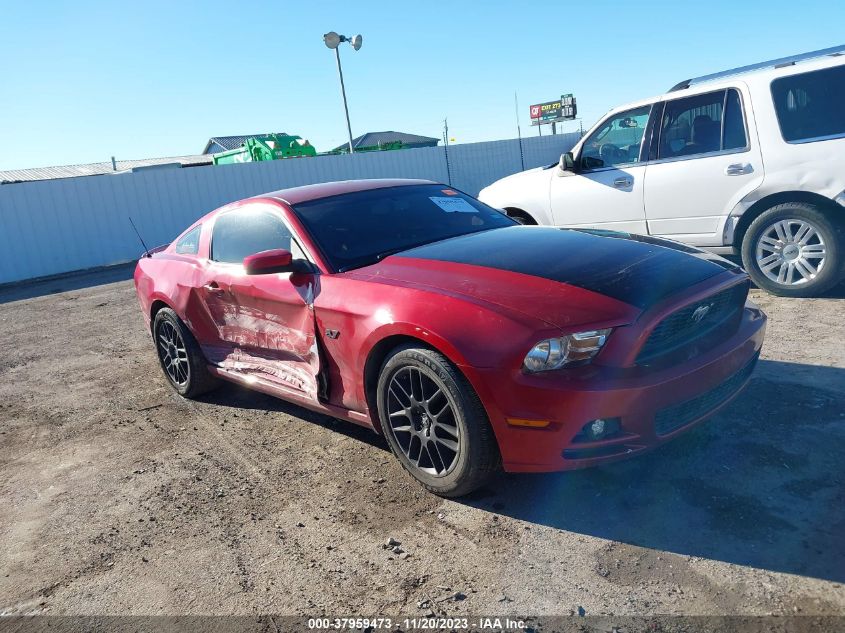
56,226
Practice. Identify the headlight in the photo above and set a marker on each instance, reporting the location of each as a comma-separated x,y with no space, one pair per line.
555,353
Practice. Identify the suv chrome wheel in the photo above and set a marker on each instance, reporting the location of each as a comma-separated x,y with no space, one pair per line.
790,252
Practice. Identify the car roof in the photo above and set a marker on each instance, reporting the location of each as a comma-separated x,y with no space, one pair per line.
765,71
305,193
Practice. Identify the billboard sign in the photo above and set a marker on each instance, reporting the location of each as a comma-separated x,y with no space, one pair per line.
564,109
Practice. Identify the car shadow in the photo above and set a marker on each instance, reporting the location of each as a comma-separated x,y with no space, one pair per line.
238,397
761,484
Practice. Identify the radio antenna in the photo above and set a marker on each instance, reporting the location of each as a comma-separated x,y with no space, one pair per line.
138,233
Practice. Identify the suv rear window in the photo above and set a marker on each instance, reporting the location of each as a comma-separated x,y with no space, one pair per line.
811,106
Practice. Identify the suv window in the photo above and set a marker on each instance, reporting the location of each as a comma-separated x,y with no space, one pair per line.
702,124
617,141
811,106
189,243
244,232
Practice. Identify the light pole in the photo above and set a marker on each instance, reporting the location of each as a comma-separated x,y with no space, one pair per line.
333,40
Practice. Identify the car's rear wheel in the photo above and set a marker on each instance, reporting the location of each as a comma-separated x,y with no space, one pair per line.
794,250
180,357
435,423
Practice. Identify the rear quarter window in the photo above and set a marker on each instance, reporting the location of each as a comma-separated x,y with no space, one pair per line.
189,243
811,106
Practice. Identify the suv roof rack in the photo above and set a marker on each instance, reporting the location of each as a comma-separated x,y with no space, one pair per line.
776,63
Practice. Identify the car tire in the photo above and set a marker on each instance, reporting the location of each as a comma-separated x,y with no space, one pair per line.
794,249
435,423
521,216
180,356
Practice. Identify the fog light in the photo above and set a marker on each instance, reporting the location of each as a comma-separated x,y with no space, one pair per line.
599,429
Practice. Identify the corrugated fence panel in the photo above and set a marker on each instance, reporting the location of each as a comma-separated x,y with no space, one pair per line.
55,226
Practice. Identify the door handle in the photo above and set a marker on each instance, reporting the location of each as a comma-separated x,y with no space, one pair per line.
623,183
738,169
213,287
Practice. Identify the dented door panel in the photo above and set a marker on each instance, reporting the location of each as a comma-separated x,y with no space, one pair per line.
269,322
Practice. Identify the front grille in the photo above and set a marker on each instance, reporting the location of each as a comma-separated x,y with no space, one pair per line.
681,327
678,415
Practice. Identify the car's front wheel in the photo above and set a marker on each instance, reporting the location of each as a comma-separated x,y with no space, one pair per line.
435,423
180,356
794,250
521,216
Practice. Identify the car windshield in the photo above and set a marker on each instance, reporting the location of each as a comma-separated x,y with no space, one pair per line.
360,228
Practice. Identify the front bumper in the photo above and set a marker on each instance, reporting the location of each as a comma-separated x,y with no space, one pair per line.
653,405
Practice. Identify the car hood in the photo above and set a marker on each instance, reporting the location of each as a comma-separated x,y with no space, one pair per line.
514,179
563,277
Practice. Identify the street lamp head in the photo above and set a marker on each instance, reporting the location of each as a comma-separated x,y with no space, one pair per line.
332,39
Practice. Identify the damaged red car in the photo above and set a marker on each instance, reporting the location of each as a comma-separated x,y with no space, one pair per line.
473,344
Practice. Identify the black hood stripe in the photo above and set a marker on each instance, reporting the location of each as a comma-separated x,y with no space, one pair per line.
635,269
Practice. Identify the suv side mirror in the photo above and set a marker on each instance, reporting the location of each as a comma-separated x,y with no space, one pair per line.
567,162
274,261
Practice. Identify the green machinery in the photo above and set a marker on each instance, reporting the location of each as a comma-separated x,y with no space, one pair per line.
270,147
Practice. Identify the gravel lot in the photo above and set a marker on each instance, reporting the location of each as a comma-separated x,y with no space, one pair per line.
119,497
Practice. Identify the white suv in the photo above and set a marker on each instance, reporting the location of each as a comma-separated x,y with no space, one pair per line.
748,161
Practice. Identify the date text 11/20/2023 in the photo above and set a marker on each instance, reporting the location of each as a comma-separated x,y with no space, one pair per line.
422,623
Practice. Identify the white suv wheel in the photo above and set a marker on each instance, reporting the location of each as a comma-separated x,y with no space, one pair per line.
790,252
795,249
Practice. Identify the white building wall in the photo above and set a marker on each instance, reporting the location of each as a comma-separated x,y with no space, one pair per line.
56,226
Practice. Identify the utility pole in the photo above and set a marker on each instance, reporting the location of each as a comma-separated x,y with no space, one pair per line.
518,131
333,40
345,106
446,149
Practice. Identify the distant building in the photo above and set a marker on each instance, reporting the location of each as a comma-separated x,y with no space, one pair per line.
376,138
96,169
217,144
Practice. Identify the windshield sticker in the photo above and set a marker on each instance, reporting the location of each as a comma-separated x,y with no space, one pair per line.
453,205
449,192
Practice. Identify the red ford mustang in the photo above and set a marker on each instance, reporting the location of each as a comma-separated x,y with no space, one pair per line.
470,342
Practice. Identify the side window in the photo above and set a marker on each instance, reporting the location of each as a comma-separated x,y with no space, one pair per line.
246,232
811,105
617,141
189,243
734,130
702,124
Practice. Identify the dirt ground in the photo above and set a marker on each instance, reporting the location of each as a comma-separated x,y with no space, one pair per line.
118,497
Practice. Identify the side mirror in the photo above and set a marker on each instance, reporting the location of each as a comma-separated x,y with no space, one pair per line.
567,162
274,261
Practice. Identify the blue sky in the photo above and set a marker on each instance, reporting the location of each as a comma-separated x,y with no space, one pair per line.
86,80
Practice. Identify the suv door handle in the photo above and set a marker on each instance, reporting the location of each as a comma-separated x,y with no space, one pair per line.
738,169
623,183
213,287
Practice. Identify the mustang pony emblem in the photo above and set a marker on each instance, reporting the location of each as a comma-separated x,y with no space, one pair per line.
700,313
